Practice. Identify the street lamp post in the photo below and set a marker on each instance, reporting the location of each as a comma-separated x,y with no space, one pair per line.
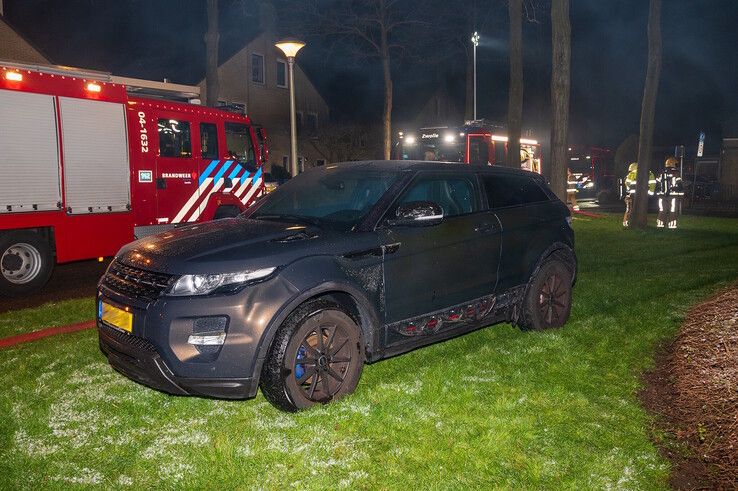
475,42
290,47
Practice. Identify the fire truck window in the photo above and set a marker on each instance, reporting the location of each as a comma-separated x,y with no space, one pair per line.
209,140
174,138
499,153
238,139
478,150
505,191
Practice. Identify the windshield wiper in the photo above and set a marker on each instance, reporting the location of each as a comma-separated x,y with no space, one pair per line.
289,218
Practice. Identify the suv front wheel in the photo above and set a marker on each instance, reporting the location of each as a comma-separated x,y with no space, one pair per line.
547,302
316,357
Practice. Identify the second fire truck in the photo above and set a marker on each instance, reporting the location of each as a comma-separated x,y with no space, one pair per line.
476,142
90,161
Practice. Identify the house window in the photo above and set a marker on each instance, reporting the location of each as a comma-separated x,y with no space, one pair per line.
320,162
281,74
285,161
311,123
298,123
257,68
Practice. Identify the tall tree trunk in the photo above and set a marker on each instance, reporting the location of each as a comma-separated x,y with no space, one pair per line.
387,113
560,87
515,94
648,110
212,82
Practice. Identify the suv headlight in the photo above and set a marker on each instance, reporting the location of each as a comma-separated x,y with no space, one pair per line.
204,284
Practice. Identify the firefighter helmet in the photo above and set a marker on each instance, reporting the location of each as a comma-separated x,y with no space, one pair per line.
633,167
671,163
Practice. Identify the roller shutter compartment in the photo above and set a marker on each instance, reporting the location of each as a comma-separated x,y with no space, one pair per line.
95,148
29,153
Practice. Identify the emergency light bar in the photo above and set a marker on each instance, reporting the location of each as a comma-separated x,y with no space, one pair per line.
14,76
524,141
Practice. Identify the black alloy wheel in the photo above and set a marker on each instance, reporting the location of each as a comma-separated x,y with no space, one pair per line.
553,300
315,358
547,302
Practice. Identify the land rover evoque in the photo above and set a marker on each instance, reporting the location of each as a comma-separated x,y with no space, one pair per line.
342,265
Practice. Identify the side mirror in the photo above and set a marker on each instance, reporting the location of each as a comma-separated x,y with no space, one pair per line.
418,214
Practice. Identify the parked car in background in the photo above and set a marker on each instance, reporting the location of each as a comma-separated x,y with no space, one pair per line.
342,265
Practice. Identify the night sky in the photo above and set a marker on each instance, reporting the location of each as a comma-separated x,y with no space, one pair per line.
698,90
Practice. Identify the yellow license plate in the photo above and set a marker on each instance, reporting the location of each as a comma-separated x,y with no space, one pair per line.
116,317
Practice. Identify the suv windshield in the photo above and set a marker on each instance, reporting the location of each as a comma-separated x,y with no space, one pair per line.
336,197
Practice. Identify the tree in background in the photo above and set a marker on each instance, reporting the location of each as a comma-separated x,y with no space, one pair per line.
560,88
648,110
376,29
515,91
212,81
625,154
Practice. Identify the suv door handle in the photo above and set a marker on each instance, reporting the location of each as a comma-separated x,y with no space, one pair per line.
484,228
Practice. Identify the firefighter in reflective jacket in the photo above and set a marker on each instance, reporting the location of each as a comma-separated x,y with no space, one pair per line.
670,192
630,190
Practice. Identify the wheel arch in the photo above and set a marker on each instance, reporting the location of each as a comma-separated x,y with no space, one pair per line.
351,299
560,251
46,233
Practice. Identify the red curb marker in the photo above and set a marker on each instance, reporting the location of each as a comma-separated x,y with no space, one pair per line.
45,333
588,214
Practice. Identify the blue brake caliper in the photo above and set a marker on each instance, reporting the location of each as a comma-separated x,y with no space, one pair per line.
299,367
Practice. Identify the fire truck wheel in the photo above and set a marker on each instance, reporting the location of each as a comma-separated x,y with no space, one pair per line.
25,263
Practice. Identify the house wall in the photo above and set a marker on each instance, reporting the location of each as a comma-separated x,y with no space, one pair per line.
268,104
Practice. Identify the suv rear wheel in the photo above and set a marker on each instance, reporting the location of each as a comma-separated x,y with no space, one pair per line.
316,357
547,302
25,262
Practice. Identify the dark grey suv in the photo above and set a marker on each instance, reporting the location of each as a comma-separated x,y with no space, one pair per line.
343,265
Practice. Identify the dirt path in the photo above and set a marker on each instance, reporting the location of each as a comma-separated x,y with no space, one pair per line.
694,392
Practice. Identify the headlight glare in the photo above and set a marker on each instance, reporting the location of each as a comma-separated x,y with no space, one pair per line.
204,284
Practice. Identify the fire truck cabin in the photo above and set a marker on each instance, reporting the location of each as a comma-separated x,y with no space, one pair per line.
90,161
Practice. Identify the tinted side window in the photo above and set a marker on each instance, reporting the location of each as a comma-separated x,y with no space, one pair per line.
455,195
174,138
209,141
503,191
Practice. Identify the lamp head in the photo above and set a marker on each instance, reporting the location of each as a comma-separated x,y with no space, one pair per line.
290,46
475,38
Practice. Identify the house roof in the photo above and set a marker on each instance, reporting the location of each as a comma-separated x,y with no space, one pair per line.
15,47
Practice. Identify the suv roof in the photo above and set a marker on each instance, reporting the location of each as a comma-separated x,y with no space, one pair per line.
421,165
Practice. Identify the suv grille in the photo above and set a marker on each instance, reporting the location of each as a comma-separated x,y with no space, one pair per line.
128,339
135,282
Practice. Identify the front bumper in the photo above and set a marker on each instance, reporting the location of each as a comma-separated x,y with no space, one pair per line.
157,353
138,360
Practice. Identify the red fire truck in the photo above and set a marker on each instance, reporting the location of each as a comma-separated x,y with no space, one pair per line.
476,142
90,161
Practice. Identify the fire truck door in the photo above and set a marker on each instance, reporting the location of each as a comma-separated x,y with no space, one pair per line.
479,149
176,169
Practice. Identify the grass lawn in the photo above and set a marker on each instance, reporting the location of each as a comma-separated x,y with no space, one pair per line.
498,408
